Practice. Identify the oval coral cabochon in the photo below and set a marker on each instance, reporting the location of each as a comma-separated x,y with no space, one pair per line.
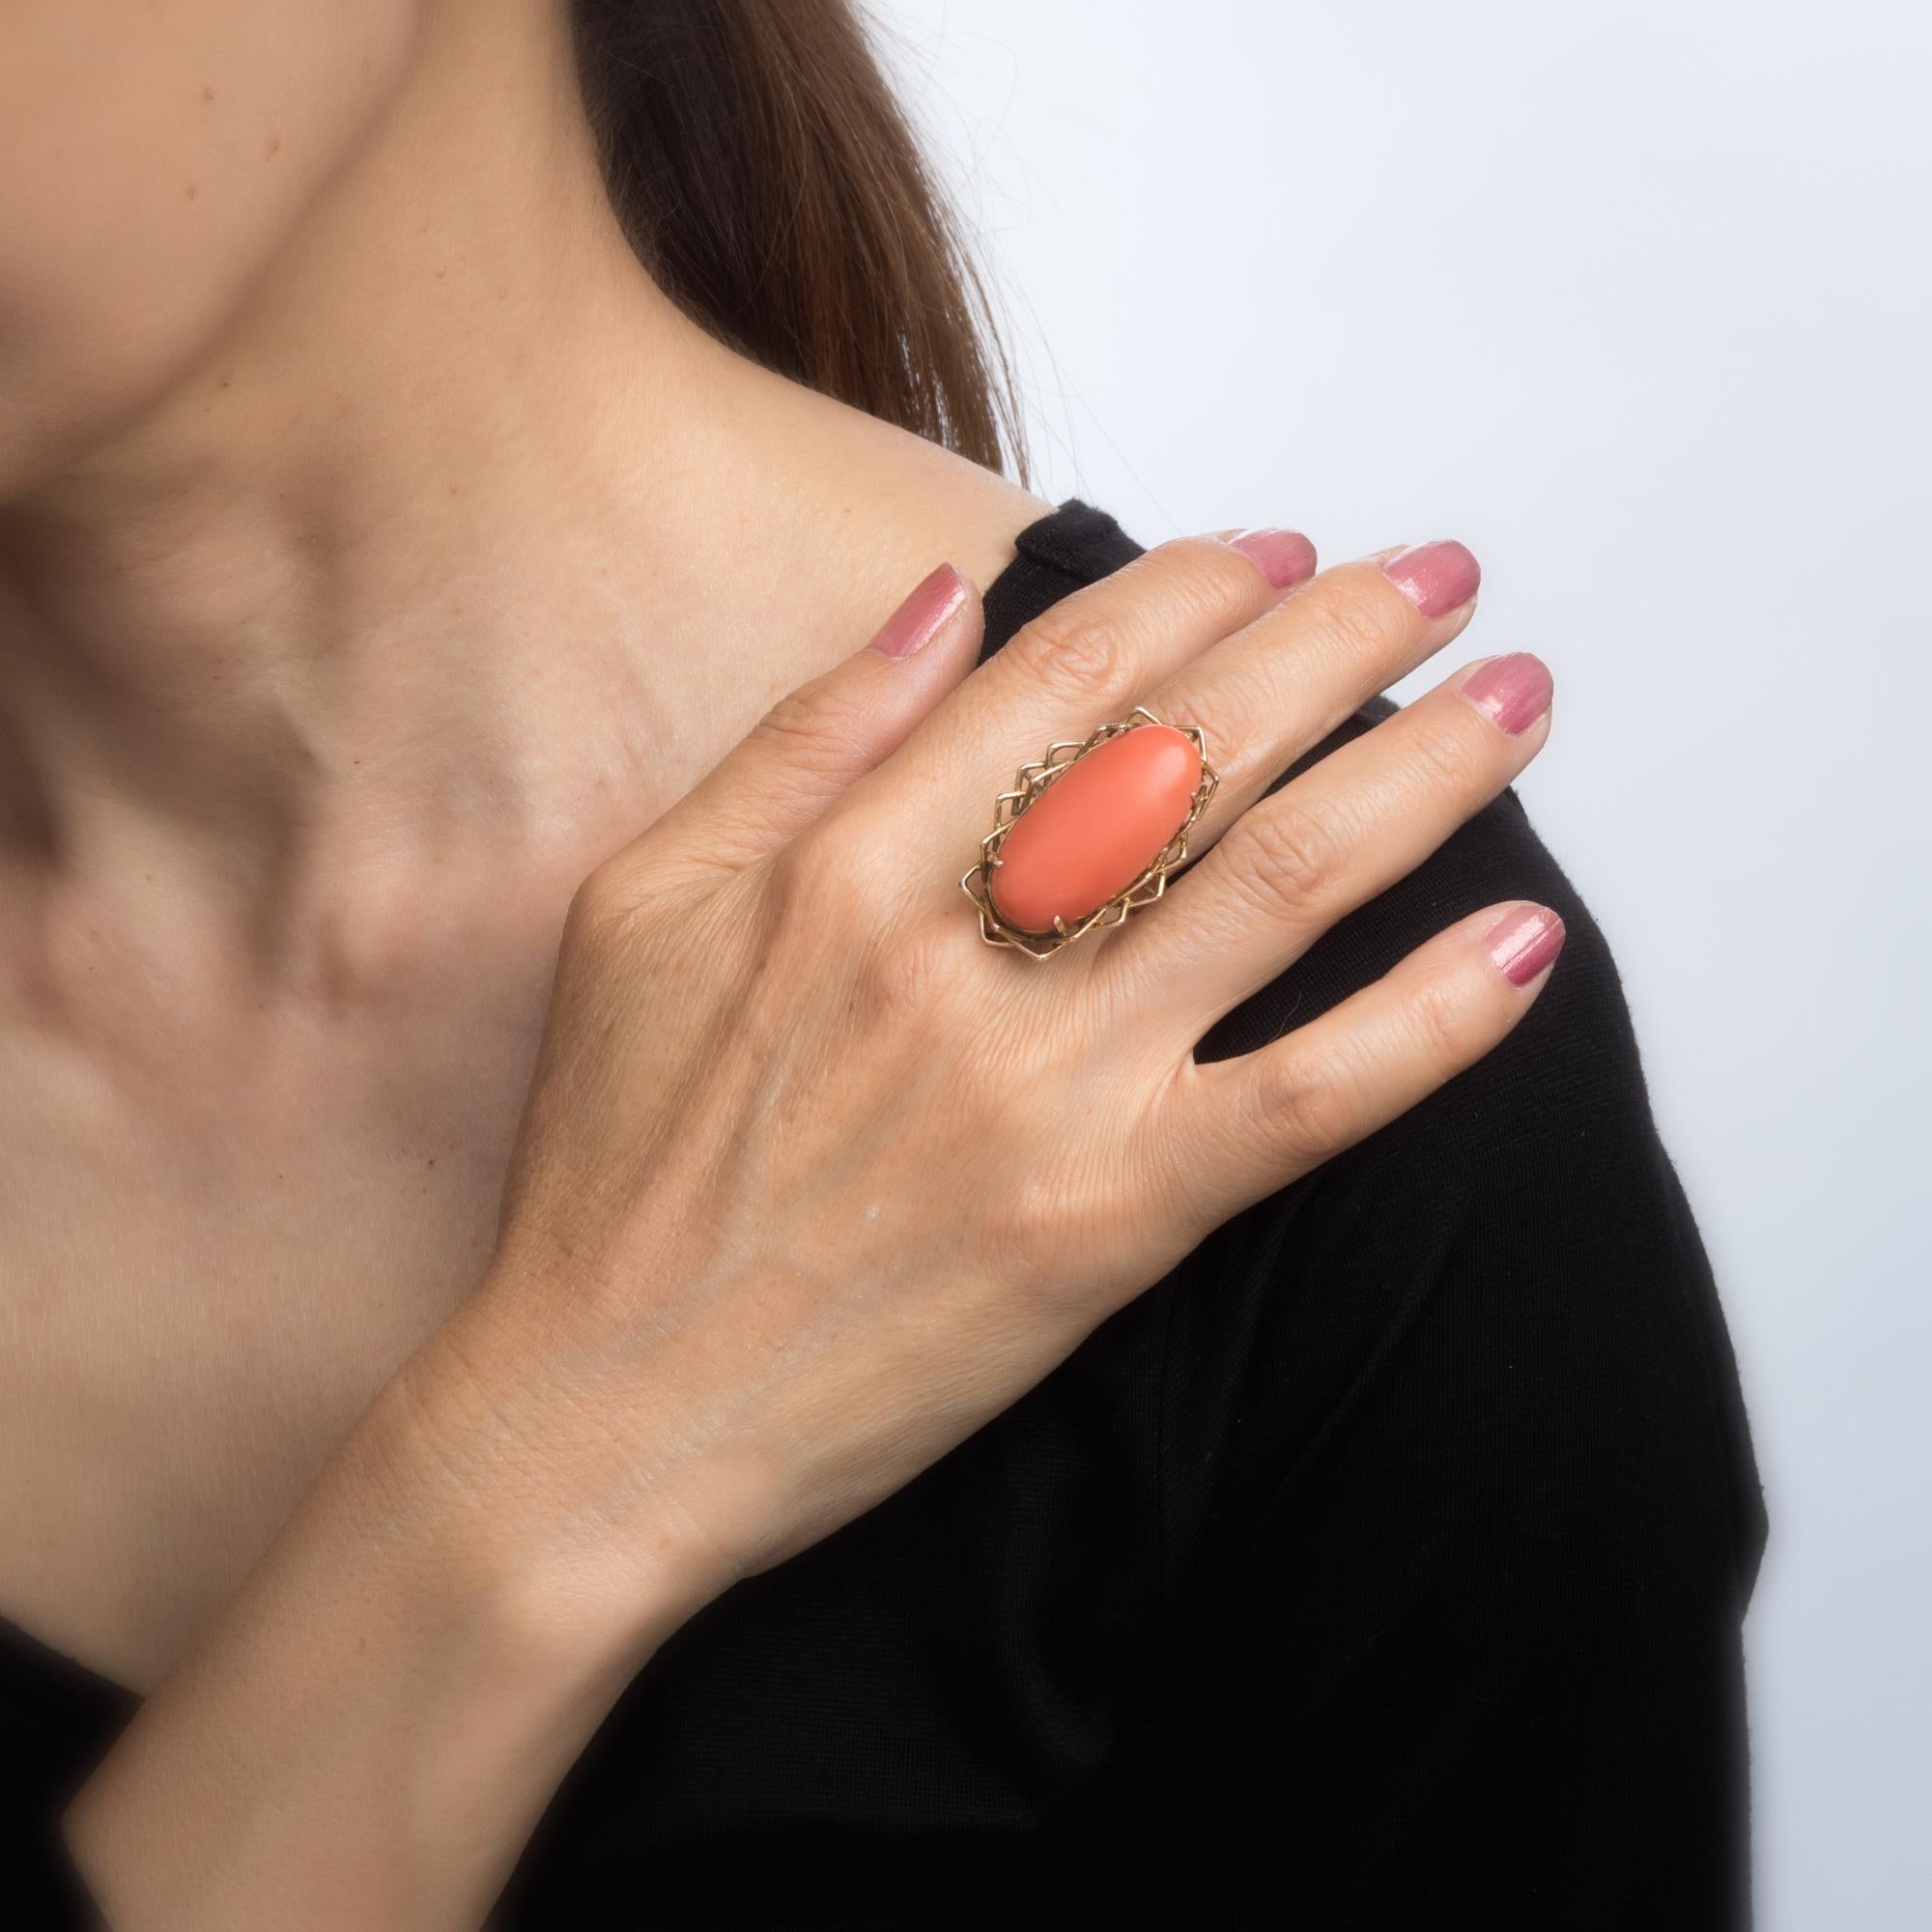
1095,829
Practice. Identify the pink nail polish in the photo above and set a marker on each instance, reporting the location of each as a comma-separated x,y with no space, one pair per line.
1525,944
1511,692
1284,557
922,616
1437,578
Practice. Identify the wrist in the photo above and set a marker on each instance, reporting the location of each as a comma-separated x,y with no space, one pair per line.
535,1484
497,1535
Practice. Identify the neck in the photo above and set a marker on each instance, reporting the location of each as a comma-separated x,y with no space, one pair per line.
434,553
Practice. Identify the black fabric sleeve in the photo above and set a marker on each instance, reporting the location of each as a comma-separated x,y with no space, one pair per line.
1381,1566
1458,1557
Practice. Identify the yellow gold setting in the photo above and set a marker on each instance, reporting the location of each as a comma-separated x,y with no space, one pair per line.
1029,784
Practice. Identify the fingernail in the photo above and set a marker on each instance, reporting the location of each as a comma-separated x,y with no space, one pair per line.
1511,692
1284,557
1437,578
920,618
1525,944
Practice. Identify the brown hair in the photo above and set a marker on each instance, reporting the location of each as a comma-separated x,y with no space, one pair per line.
771,184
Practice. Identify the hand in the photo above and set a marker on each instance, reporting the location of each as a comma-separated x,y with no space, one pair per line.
812,1183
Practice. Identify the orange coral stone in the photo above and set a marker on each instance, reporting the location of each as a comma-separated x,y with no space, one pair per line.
1096,828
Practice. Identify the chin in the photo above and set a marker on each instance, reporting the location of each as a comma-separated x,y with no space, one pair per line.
158,162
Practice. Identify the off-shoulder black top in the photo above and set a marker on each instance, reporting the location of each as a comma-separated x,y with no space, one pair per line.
1383,1565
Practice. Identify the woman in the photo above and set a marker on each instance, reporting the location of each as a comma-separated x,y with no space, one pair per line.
899,1435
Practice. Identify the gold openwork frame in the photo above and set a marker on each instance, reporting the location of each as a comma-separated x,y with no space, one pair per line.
1030,783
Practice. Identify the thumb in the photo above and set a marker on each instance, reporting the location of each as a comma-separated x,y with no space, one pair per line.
819,740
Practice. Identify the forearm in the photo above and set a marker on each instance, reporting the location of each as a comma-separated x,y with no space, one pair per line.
368,1732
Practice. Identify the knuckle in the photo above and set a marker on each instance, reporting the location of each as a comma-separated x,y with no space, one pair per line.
835,913
907,976
1073,652
827,874
1094,642
1308,1108
814,732
1206,579
1360,630
1439,1026
1445,762
1284,860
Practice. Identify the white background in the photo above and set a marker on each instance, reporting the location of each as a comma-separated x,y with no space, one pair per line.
1633,299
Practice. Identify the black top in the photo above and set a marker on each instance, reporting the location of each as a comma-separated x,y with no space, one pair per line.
1382,1565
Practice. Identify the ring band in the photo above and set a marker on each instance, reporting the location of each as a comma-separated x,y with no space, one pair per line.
1088,833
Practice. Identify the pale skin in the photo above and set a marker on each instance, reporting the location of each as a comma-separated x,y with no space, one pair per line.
391,581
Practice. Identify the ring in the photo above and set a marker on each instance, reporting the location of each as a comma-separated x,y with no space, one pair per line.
1088,833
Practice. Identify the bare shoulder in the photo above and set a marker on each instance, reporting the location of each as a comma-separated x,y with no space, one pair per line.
888,506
